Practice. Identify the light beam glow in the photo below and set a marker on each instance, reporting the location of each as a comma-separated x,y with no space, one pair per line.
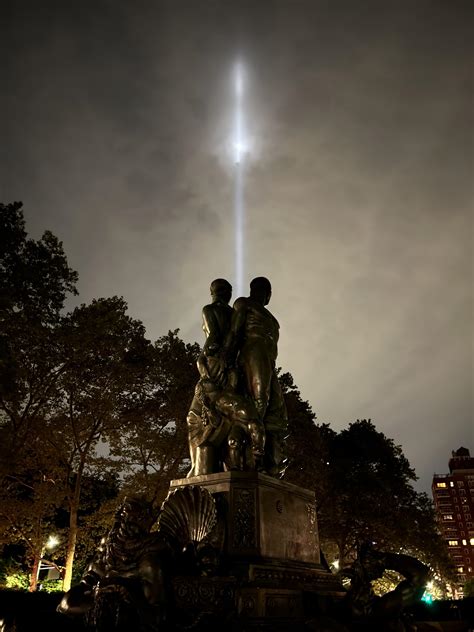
239,147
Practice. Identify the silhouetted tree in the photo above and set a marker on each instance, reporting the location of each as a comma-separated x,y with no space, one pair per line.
370,480
368,495
34,281
308,443
152,445
105,354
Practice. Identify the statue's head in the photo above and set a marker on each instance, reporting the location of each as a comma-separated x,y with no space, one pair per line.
261,289
221,289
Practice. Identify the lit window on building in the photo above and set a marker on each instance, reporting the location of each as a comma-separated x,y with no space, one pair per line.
453,543
451,484
464,542
440,484
448,517
471,541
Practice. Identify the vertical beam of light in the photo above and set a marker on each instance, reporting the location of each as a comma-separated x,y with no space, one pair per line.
239,202
239,228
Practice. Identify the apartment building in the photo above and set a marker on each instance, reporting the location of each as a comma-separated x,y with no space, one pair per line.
453,496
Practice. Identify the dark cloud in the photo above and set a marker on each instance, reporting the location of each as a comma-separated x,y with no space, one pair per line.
117,117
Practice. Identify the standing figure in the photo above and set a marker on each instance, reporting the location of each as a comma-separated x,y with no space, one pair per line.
216,320
252,345
206,429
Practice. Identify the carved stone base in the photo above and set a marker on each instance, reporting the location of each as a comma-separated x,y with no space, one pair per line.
265,517
270,552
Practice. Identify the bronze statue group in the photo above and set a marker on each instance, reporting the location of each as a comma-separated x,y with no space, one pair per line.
238,418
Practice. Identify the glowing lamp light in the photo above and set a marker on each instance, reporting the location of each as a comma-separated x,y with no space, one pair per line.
52,542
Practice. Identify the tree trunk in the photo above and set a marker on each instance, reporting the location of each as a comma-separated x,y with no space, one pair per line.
72,538
71,546
35,572
38,551
341,547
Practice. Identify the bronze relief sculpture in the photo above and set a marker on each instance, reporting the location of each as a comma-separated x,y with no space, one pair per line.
238,419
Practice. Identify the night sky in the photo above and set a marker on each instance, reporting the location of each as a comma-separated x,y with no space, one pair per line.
116,122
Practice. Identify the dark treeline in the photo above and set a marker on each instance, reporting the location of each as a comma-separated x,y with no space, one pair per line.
91,410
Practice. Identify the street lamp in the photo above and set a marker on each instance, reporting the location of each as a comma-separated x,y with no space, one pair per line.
51,543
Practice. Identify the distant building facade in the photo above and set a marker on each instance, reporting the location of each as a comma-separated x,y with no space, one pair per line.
453,496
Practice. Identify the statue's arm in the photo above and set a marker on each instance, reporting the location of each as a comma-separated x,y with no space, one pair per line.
237,326
408,591
412,569
211,327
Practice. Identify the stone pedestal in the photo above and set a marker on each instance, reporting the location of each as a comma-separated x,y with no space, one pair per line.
270,550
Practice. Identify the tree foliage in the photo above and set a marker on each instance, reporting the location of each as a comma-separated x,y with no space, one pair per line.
373,499
308,443
104,352
152,445
82,394
34,274
34,281
30,499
